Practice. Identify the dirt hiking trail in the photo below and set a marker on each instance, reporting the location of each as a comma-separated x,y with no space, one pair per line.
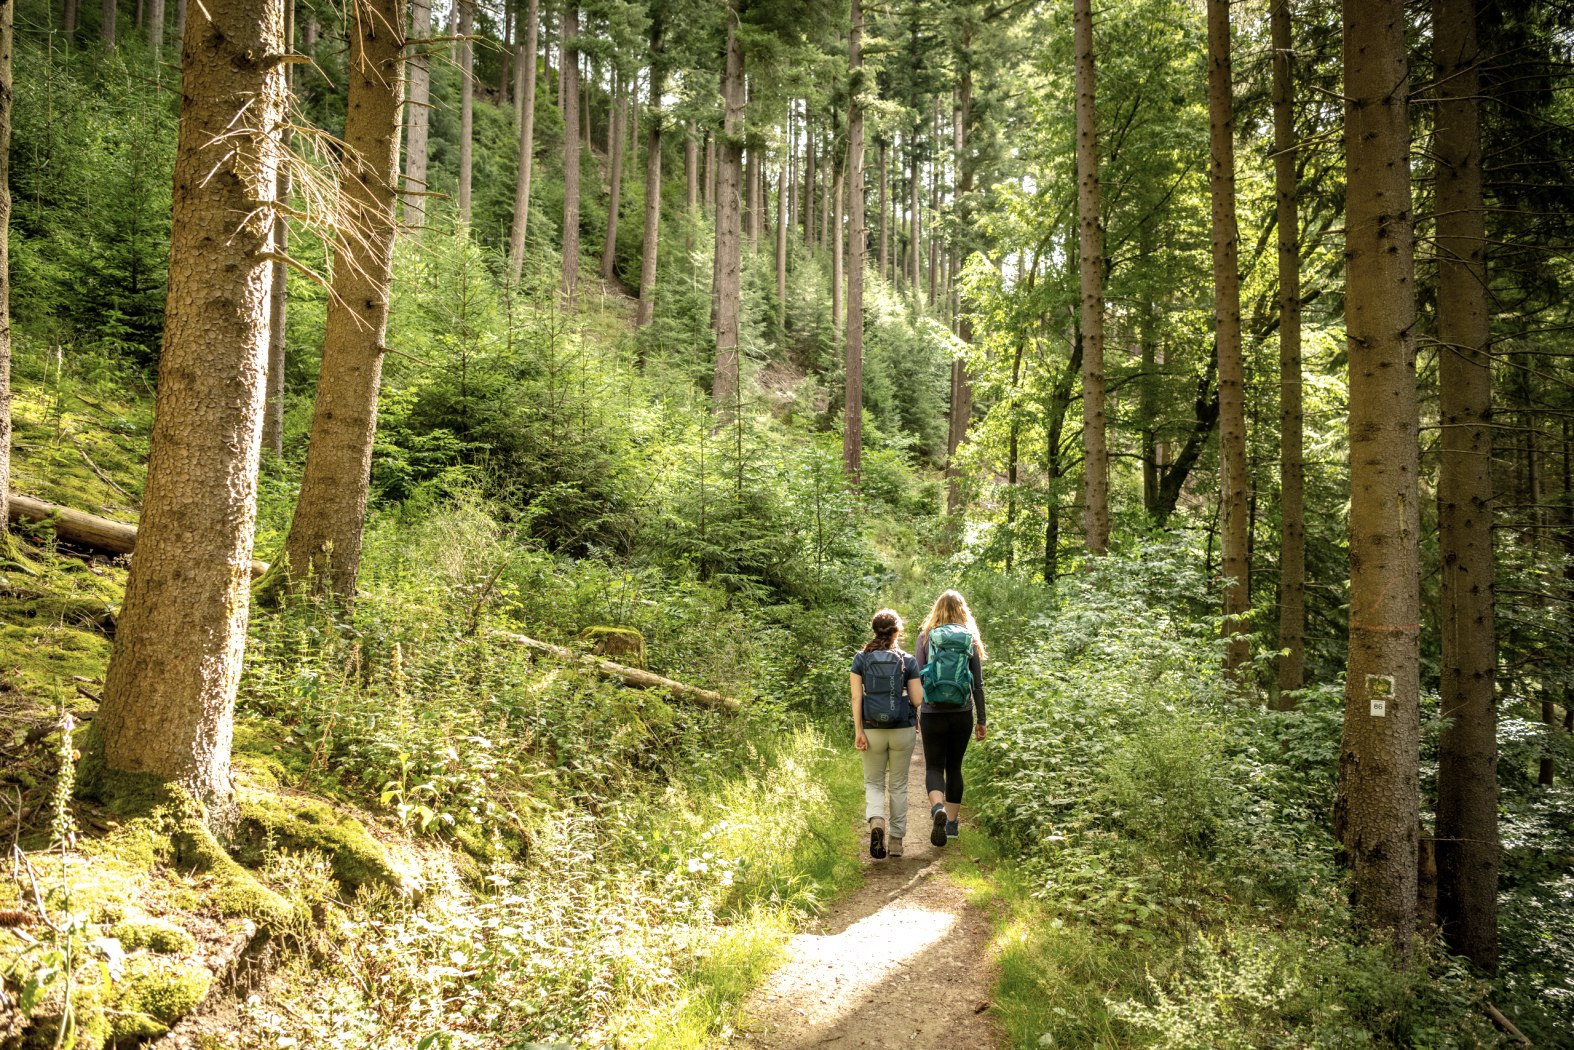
903,962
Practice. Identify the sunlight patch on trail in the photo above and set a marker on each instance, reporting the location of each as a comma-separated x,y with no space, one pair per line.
829,976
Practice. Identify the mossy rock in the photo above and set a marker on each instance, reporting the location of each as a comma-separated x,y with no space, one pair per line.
152,994
272,822
154,935
623,645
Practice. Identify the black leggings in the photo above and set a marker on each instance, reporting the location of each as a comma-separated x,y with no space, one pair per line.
945,742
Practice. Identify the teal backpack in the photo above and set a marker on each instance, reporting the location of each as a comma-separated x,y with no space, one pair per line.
948,681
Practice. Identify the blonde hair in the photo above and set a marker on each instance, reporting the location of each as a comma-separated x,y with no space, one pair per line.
951,607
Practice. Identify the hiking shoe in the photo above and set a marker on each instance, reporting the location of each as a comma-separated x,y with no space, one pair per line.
937,834
893,847
877,843
951,830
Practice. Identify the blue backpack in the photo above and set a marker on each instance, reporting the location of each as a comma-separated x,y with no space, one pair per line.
885,703
947,678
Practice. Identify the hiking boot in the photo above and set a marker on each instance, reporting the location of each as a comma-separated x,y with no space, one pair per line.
893,847
937,833
877,843
951,829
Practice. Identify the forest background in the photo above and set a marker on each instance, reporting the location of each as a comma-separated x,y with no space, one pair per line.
588,425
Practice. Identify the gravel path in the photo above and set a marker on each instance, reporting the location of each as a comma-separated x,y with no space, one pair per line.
903,962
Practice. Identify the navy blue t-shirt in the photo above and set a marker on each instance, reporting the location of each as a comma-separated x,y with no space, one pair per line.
909,672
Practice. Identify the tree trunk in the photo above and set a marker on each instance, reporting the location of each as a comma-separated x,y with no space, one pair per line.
80,529
418,117
7,41
729,232
107,14
325,537
617,131
961,389
1467,802
1376,813
710,169
180,22
155,26
1095,519
506,53
69,21
650,250
169,693
634,676
852,413
273,409
838,244
752,200
1060,404
466,107
885,218
525,93
809,161
691,170
1227,336
1292,471
569,103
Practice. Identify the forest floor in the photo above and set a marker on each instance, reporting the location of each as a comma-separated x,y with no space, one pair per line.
901,962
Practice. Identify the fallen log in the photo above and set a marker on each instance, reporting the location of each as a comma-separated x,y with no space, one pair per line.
81,529
628,675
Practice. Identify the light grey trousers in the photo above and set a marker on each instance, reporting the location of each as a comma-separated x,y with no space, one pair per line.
885,775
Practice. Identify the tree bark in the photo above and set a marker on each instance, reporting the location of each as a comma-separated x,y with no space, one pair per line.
69,21
650,250
91,532
108,11
1467,797
569,103
1236,563
525,93
418,118
7,42
852,413
618,132
155,28
1059,405
729,231
710,169
961,389
1095,515
1292,470
1376,812
809,161
466,107
169,694
506,53
325,537
838,244
273,409
691,169
885,218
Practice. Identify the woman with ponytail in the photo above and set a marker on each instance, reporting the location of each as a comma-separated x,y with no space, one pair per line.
951,651
886,695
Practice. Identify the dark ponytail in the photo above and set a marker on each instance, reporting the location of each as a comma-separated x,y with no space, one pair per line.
887,627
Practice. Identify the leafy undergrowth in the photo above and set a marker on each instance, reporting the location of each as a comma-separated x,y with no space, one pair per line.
561,858
1159,858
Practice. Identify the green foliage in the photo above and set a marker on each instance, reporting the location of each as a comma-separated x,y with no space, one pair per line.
1169,873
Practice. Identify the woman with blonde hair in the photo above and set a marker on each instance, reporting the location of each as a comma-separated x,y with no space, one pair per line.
886,694
951,653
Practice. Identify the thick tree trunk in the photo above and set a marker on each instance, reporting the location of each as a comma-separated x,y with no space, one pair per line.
7,41
418,117
1292,471
1227,336
1095,515
650,250
325,537
525,92
466,107
569,103
618,132
169,693
852,412
1377,809
726,305
78,528
1467,802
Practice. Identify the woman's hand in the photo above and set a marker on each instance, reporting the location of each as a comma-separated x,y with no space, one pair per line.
861,742
979,731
